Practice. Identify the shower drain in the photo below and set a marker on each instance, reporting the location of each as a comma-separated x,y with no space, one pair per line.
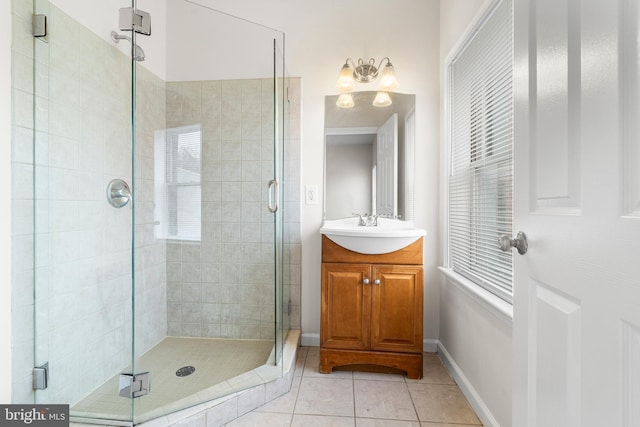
185,370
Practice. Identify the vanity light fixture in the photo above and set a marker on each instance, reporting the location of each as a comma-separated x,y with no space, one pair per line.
366,72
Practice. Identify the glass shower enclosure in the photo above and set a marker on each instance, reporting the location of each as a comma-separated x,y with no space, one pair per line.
159,221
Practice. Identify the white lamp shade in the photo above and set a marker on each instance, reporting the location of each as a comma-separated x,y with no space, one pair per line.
382,99
346,83
388,80
345,100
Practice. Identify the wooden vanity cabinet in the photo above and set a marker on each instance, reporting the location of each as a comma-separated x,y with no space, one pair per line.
371,310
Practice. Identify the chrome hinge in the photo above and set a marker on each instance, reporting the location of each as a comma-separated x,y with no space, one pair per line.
135,20
41,377
39,25
134,385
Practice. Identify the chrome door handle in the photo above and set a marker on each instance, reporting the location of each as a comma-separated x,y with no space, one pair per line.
272,189
520,243
366,281
376,282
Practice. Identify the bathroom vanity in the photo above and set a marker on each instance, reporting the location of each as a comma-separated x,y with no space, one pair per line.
372,303
372,265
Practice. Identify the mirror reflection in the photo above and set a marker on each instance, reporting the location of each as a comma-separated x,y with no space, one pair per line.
369,154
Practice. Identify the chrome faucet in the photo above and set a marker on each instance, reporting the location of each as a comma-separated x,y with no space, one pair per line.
361,219
366,220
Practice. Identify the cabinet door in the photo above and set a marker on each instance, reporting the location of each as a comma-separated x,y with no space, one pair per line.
396,308
346,306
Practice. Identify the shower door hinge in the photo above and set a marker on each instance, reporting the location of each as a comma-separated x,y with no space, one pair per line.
39,25
134,385
135,20
41,377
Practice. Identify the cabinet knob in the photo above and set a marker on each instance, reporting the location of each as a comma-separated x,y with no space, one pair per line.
376,282
366,281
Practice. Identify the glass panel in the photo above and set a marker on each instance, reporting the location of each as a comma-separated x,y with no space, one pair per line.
281,250
82,141
205,310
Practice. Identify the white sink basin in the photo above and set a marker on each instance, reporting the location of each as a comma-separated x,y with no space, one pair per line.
390,235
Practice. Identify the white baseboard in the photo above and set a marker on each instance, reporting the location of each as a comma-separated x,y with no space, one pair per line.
430,345
476,402
310,340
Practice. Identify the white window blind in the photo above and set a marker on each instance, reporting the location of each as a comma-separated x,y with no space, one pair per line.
178,183
481,169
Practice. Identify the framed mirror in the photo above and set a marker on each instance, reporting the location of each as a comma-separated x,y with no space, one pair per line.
369,157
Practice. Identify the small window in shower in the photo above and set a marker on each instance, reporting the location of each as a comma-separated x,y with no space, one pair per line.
177,183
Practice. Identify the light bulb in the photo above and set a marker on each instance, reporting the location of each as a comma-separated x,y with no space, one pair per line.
345,80
345,100
382,99
388,80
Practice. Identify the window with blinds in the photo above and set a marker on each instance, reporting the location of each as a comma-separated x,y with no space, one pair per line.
178,157
481,144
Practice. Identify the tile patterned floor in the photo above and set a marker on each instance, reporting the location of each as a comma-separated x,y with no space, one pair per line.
363,399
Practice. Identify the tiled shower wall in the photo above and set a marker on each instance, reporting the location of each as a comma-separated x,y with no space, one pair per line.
223,286
82,245
292,254
150,253
22,202
22,246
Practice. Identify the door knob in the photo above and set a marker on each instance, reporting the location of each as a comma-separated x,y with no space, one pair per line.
366,281
376,282
520,243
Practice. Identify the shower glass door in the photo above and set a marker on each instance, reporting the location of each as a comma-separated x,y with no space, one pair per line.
159,207
83,244
206,147
281,225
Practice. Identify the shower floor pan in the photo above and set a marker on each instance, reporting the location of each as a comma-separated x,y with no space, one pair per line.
222,367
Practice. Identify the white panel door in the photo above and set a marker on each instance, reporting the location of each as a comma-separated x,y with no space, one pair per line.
387,167
577,197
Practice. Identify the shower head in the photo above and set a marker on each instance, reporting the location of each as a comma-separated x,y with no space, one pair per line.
138,53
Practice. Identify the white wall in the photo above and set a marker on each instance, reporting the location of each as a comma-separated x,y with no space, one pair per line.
319,37
197,50
476,345
5,206
476,341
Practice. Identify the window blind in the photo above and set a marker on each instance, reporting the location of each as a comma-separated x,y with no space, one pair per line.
481,168
178,183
